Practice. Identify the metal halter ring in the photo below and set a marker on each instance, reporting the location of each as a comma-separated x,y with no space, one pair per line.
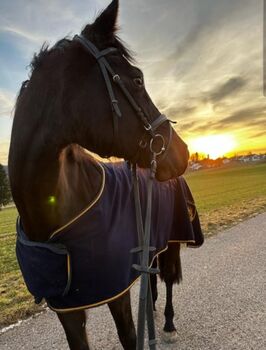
116,78
161,138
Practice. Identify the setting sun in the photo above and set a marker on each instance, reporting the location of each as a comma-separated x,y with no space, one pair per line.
213,145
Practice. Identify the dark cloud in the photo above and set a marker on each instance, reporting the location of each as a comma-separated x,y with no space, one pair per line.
258,134
188,126
249,117
202,127
256,123
183,111
199,20
233,85
186,43
181,52
161,104
245,116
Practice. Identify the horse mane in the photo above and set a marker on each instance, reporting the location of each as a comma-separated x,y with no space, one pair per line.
61,45
45,51
123,49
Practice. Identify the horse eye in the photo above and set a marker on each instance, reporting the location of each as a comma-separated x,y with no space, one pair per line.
138,82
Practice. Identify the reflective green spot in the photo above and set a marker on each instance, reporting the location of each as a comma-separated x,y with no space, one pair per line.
52,200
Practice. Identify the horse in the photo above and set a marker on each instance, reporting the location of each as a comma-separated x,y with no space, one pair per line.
64,110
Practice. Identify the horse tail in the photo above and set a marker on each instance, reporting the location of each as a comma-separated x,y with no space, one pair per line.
170,264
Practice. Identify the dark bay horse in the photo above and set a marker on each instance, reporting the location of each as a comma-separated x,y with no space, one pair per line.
63,109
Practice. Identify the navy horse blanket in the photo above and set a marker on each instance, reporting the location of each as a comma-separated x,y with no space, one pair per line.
88,262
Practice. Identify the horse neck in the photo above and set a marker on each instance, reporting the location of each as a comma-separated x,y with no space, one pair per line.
78,182
55,190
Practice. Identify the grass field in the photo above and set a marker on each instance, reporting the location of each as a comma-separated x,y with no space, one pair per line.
223,197
15,301
226,196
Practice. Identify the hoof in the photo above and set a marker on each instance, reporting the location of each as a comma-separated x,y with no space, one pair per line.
170,337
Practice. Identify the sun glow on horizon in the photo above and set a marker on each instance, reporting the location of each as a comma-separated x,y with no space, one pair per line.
213,145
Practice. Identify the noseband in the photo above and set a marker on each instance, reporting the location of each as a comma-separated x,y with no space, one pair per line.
157,141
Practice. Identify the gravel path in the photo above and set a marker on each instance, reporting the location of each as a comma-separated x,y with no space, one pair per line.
221,303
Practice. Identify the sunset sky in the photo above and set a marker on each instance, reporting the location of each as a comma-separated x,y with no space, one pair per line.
202,61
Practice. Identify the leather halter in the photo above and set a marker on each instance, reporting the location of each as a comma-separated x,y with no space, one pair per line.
107,72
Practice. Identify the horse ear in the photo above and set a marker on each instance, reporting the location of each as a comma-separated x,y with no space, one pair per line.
105,23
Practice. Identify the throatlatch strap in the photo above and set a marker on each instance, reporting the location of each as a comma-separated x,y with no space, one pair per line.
158,121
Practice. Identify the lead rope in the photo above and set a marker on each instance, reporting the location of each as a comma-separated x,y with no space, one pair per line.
145,311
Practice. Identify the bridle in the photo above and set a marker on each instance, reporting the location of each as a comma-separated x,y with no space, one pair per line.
158,149
157,144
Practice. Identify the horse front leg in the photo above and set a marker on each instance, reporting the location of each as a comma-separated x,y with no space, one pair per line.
170,273
122,315
74,324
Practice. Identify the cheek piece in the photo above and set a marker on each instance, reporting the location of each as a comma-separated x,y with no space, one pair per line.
157,145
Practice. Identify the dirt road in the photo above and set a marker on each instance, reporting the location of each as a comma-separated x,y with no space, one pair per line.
221,303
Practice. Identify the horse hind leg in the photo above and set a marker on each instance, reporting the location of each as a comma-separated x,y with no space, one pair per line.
121,311
74,324
170,273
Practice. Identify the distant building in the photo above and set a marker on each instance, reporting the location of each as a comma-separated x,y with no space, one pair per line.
194,166
206,163
252,158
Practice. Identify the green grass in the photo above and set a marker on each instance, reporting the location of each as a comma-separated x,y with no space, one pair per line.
7,241
228,195
223,197
15,300
218,188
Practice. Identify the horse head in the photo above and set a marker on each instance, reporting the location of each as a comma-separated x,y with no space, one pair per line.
111,125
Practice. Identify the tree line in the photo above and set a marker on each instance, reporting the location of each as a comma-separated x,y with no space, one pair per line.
5,193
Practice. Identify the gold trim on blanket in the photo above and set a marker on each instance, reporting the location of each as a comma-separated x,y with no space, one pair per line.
117,295
87,208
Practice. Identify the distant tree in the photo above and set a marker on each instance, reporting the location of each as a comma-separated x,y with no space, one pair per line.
5,194
192,157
